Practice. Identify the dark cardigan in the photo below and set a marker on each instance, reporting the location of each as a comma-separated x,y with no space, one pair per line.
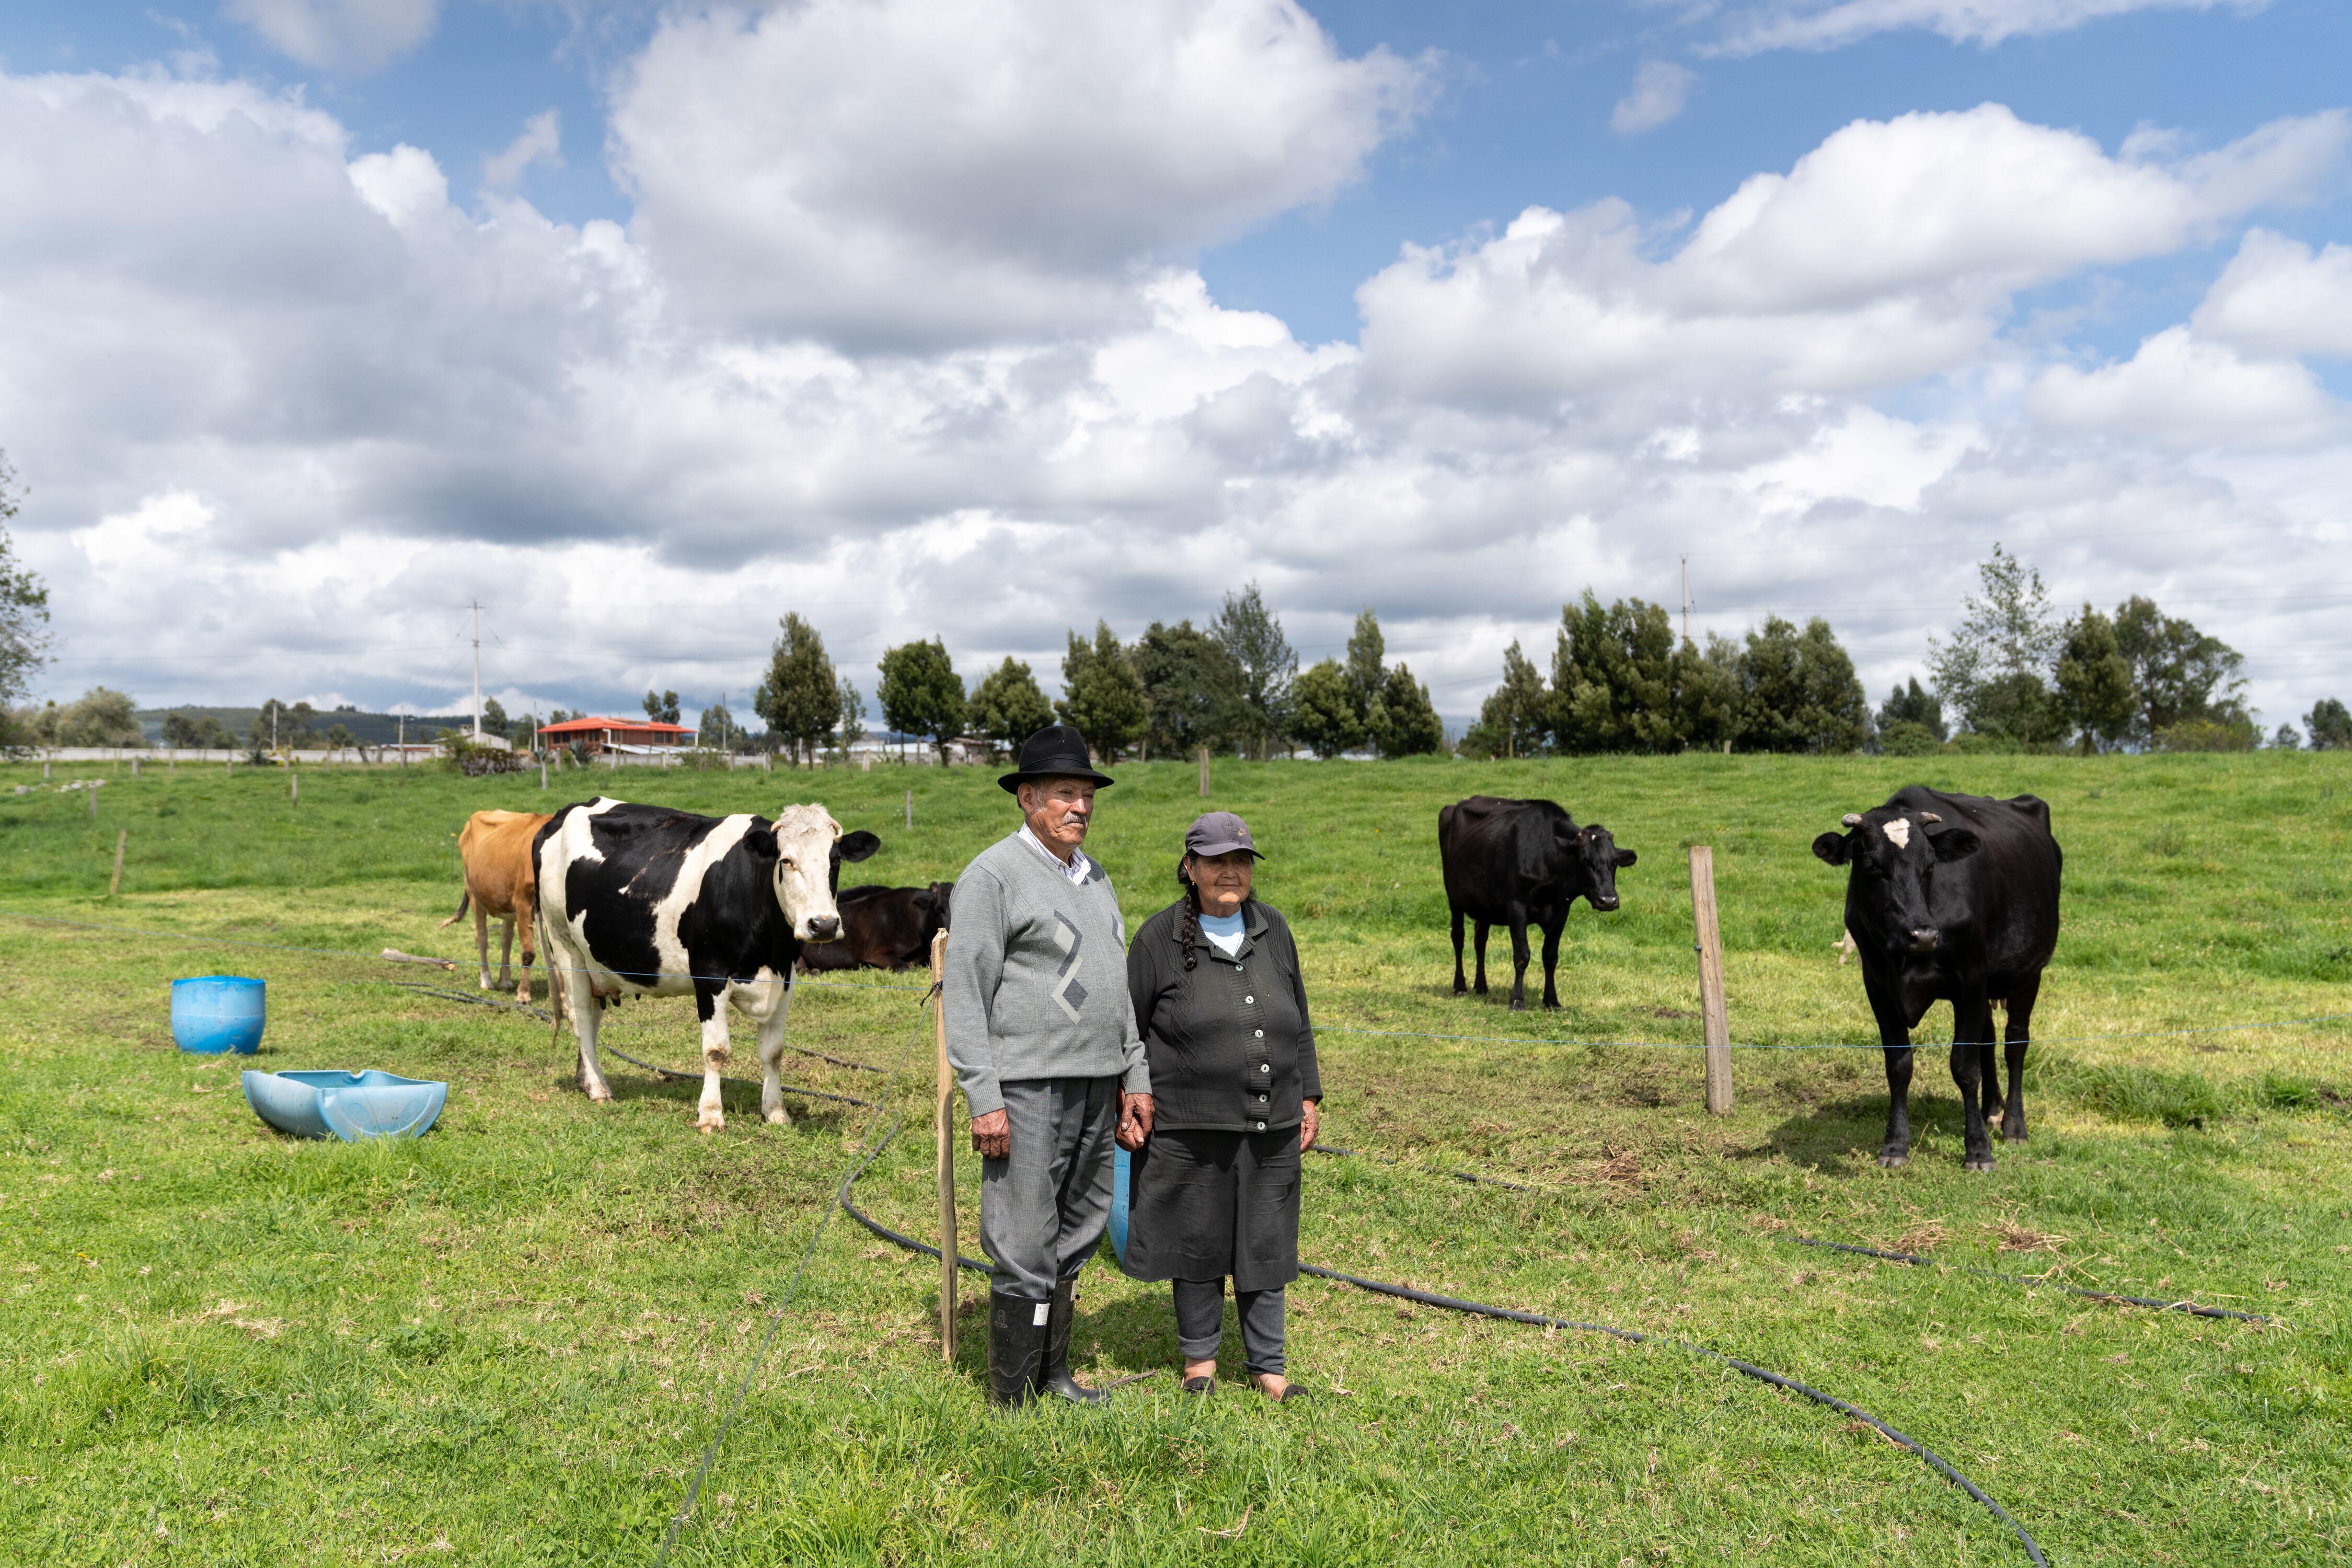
1229,1044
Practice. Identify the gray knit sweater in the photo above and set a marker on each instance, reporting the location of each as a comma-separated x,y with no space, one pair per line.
1037,977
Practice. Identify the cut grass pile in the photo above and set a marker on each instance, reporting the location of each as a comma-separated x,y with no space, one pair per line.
509,1340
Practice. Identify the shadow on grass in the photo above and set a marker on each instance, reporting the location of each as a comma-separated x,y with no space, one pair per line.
1841,1137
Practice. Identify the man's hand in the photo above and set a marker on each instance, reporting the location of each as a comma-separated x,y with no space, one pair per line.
1134,1121
992,1135
1311,1124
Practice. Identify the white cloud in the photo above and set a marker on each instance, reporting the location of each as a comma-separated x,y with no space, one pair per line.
1660,91
1833,23
542,140
2183,392
935,172
403,184
283,410
2277,297
355,36
1889,253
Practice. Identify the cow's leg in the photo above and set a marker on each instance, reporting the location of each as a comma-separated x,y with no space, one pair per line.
1519,959
1971,1031
482,941
772,1059
710,1006
586,1009
2021,998
506,953
1460,985
1484,928
529,925
1894,1038
1551,961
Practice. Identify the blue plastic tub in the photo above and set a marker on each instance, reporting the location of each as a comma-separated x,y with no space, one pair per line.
346,1105
216,1013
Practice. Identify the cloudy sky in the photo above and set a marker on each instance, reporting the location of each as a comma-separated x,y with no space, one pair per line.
641,324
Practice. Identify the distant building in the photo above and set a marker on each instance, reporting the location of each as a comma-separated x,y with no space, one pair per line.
624,736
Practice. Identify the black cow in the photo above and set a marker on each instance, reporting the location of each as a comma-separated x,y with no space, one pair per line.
883,928
1951,898
1510,862
642,901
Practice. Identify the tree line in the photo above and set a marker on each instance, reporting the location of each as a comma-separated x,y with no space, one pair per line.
1233,686
2014,675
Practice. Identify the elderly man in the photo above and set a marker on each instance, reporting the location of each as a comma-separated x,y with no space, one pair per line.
1042,1039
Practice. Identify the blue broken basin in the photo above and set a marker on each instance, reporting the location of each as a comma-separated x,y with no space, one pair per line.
216,1013
346,1105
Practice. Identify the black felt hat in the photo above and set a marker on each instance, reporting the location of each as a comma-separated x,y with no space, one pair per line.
1059,751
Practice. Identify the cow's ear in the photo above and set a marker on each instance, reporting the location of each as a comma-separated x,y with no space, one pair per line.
1954,844
1836,848
856,846
1626,857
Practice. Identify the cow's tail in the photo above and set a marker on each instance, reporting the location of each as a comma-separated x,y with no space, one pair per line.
464,899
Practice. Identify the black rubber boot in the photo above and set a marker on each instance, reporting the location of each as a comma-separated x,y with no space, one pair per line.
1016,1339
1054,1373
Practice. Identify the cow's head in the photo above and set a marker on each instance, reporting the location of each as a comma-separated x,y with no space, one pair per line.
1596,859
1894,859
937,898
810,848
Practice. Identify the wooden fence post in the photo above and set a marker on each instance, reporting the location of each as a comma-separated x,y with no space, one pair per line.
121,840
945,1136
910,808
293,786
1718,1025
1204,772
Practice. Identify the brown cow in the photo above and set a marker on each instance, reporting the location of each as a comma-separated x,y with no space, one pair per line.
500,882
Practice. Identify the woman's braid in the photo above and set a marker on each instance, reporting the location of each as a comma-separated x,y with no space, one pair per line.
1191,918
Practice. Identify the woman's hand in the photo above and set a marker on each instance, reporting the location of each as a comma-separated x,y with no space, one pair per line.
1309,1125
1134,1121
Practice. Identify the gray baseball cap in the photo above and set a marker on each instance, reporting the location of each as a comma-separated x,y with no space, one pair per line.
1219,833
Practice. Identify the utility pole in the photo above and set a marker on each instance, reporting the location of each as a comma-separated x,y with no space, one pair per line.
478,669
1686,598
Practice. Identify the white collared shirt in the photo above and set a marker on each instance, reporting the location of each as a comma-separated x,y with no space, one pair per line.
1075,871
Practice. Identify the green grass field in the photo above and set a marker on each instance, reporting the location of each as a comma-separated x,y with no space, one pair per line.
509,1342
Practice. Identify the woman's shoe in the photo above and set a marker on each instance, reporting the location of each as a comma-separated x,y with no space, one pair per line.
1203,1386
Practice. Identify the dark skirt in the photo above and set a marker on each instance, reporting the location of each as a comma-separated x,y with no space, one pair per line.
1203,1205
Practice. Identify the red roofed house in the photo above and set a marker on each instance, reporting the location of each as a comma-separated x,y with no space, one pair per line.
600,735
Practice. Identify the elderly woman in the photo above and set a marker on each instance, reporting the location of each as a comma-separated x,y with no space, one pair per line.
1236,1099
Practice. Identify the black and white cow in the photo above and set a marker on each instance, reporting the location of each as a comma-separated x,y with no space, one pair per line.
642,901
1510,862
1951,898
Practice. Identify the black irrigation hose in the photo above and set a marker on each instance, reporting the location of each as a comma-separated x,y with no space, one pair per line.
1481,1309
2035,1282
1404,1292
1456,1304
2030,1281
1337,1151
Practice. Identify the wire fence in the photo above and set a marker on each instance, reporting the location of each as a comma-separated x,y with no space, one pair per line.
202,938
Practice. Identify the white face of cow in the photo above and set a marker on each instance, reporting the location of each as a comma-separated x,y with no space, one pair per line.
805,837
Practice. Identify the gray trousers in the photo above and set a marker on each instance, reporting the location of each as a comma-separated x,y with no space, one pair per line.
1044,1208
1200,1324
